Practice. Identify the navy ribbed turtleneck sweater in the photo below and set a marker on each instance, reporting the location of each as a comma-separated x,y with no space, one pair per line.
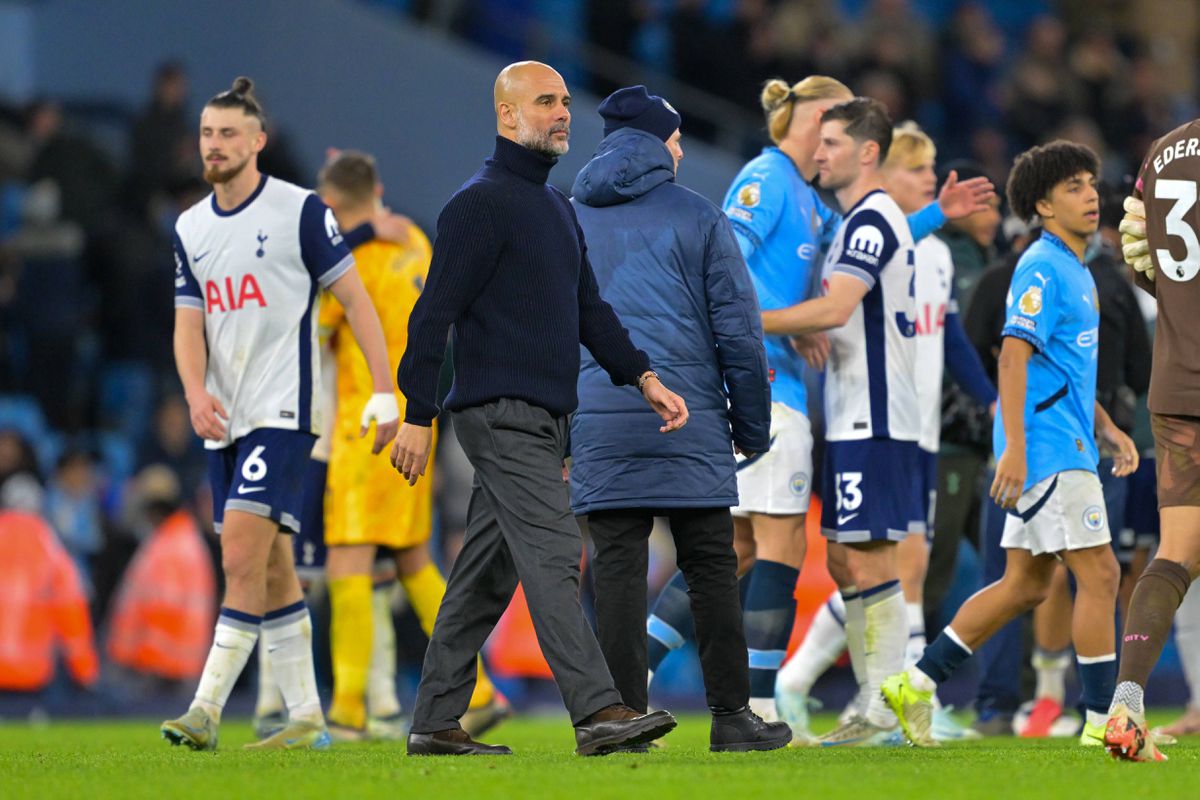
510,273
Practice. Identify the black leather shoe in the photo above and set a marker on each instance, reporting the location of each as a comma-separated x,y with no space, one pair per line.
618,726
742,730
453,742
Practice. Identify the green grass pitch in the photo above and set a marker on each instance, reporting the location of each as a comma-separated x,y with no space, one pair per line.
126,759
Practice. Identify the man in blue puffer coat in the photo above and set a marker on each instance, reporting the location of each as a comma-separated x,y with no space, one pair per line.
666,260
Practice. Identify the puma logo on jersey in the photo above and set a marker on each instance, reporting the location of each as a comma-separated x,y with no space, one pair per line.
224,297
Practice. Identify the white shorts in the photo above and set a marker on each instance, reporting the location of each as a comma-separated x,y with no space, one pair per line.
778,481
1062,512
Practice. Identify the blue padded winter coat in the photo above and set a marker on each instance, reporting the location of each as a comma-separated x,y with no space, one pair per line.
666,260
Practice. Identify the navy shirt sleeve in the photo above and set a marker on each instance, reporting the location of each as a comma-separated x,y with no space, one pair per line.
868,243
963,362
187,288
359,236
322,246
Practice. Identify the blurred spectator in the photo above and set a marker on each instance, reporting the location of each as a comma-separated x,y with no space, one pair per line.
73,507
972,239
164,611
172,442
972,54
82,171
45,611
17,456
1041,91
162,143
52,305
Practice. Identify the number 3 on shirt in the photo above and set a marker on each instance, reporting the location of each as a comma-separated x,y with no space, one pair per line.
1184,195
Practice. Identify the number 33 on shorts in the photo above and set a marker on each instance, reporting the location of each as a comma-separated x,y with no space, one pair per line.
849,495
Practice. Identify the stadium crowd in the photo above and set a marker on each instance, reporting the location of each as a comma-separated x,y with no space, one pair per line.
95,437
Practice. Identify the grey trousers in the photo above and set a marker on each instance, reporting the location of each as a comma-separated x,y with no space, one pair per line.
519,527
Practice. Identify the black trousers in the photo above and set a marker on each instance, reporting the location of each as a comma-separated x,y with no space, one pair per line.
704,547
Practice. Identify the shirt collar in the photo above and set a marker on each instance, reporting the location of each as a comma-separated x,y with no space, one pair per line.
1059,243
522,161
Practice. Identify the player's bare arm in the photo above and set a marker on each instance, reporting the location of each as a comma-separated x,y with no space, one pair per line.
1115,441
191,359
960,199
1013,374
832,310
382,408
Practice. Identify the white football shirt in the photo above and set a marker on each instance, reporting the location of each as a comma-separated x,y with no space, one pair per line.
255,272
935,283
870,387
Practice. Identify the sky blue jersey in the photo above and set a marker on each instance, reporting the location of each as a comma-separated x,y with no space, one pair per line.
1053,305
780,224
783,228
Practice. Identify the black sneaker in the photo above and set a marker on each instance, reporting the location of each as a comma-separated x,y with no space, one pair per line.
743,730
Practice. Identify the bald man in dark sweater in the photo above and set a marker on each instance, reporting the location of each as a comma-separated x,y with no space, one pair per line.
510,274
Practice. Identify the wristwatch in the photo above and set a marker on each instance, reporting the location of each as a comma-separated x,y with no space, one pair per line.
645,376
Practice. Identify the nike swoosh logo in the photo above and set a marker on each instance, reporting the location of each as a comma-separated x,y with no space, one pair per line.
196,259
843,520
244,489
224,646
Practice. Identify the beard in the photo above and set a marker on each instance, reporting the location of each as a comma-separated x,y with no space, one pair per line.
543,142
214,175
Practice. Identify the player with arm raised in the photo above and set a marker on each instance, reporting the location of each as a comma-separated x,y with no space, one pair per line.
249,261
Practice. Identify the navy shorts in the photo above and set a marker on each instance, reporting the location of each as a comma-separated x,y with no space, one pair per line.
873,491
309,543
261,473
928,477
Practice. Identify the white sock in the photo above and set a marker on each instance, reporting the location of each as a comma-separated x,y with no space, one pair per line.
855,630
287,634
1051,668
916,633
233,642
381,675
1096,718
823,643
885,638
1131,694
269,701
1187,641
765,708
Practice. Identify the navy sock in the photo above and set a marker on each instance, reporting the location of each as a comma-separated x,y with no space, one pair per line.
943,656
770,611
670,621
1098,680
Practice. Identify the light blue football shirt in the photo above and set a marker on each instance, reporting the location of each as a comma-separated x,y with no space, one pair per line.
1053,305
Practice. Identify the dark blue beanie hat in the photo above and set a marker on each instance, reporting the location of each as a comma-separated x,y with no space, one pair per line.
634,107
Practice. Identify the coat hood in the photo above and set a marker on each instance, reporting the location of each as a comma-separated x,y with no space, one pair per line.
627,164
